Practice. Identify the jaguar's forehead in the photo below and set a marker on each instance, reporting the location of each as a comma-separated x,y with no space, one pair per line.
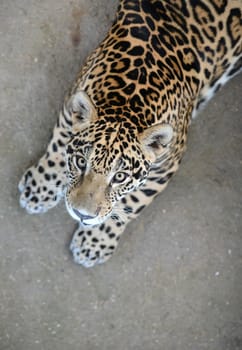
113,157
110,146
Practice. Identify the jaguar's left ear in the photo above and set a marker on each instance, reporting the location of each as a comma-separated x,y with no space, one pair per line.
81,109
156,138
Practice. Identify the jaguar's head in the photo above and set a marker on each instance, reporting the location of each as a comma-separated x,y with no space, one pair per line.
107,157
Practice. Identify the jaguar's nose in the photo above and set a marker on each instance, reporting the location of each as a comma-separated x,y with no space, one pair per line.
83,217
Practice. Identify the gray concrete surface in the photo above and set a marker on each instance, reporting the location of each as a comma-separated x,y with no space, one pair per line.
175,282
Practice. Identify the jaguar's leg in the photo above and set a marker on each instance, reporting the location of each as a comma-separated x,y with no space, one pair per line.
43,184
95,245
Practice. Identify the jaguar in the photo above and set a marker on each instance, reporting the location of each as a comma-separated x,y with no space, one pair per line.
122,131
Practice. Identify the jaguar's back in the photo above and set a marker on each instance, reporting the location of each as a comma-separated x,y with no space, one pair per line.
184,48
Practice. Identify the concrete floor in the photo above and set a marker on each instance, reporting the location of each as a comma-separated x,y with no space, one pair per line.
175,282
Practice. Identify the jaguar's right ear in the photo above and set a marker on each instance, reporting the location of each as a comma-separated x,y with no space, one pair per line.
81,109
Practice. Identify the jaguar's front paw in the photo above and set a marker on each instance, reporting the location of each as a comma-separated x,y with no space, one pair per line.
41,189
93,246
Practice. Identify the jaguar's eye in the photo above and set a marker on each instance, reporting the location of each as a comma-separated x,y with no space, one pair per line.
80,163
120,177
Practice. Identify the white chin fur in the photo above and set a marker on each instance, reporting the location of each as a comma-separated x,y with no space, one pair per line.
92,222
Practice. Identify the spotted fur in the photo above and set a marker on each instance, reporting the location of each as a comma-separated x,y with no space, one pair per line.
123,127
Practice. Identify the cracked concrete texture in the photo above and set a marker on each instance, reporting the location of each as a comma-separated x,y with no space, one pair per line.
175,281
